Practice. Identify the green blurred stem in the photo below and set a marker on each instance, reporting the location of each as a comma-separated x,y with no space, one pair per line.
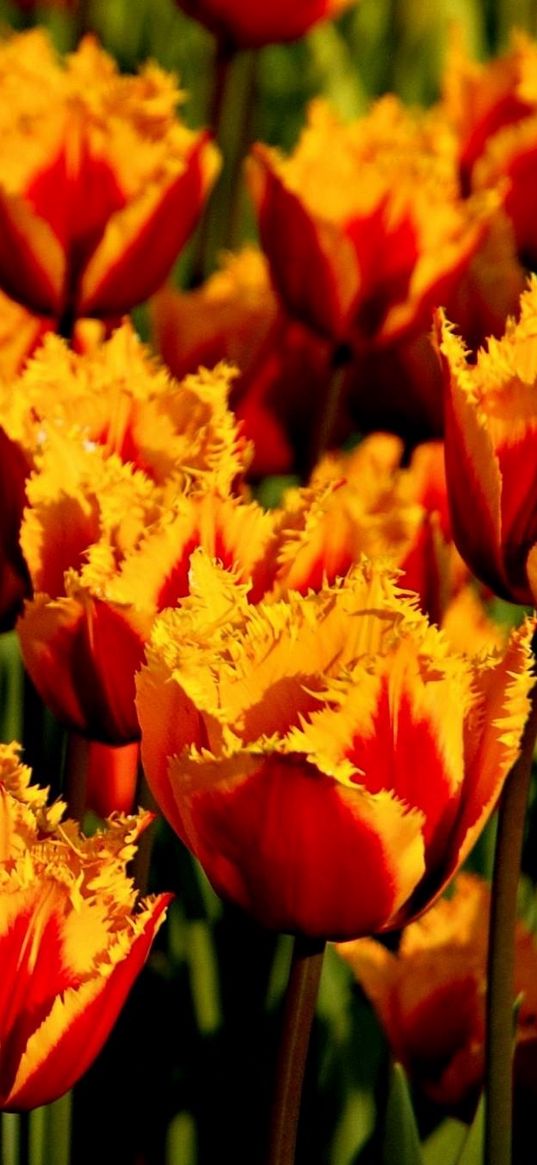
324,425
82,19
142,862
24,1138
299,1010
501,962
75,775
232,105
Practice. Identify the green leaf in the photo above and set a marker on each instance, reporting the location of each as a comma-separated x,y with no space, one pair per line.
473,1148
401,1138
443,1147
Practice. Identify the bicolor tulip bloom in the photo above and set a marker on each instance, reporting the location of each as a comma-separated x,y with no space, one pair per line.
101,183
131,472
115,395
430,995
491,453
239,24
72,937
364,226
327,758
104,557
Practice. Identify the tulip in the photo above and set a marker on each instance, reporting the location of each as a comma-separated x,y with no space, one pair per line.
310,748
362,247
117,396
101,183
490,443
238,24
131,470
430,995
72,938
104,557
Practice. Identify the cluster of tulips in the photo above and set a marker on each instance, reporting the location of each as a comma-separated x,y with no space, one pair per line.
324,706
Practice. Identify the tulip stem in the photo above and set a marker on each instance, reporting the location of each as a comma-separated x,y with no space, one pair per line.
231,118
324,426
501,960
142,860
299,1010
75,775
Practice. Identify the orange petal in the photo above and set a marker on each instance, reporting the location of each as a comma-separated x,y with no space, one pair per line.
32,261
313,266
142,241
82,656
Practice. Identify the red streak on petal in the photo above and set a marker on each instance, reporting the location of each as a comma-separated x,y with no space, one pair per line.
286,846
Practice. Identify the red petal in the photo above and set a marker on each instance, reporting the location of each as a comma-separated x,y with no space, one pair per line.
141,243
32,261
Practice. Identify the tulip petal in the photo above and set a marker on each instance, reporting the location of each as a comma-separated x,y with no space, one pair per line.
32,261
142,241
82,655
312,263
505,708
294,847
472,468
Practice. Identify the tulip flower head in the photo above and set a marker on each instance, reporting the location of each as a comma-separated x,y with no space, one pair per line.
326,757
101,183
72,937
363,225
118,397
131,471
430,995
240,24
490,445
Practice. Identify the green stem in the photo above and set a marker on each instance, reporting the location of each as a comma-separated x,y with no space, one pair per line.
75,775
299,1010
142,861
58,1131
10,1138
83,22
24,1138
501,961
325,423
231,117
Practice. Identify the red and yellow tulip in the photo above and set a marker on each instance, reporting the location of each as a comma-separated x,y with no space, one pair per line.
101,183
131,470
491,453
327,758
239,24
364,226
72,937
430,995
